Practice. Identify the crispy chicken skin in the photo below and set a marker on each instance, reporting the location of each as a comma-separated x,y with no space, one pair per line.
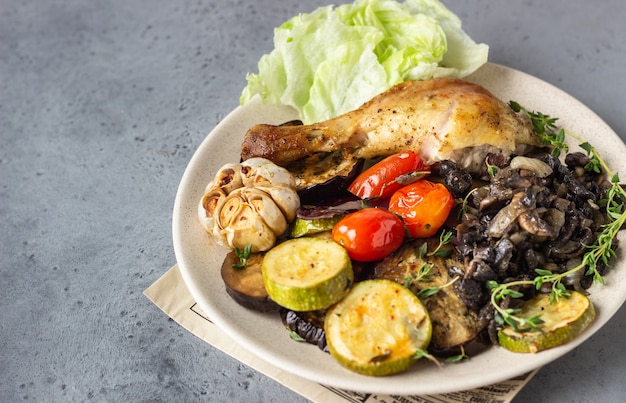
443,118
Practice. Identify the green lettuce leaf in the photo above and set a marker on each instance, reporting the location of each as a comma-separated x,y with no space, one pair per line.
333,60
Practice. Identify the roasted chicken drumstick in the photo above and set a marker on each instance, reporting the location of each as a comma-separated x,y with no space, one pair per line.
440,119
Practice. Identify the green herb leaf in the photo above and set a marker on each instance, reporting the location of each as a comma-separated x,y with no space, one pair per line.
515,106
545,127
457,358
422,250
420,354
492,284
423,273
444,239
407,281
295,336
243,255
428,292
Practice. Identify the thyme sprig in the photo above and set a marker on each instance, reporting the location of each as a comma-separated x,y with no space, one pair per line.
458,358
545,127
423,274
600,252
430,291
243,255
444,238
492,170
509,316
420,353
465,203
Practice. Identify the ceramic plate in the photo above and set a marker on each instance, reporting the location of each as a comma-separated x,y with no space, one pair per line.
200,259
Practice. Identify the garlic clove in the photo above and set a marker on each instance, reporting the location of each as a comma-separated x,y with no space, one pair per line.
286,199
207,207
238,223
261,172
266,209
227,179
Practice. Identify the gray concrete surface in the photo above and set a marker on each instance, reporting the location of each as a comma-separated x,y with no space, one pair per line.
102,104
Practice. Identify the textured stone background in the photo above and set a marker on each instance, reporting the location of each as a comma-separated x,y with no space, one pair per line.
102,104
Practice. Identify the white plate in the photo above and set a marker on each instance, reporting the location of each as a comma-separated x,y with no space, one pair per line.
200,259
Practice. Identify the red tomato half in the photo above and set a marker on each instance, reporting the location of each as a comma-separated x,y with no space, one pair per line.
369,234
423,205
379,180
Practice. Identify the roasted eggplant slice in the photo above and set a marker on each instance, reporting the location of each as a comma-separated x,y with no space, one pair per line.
308,325
323,176
245,285
454,323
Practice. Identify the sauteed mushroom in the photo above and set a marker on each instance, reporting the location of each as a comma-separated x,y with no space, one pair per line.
535,213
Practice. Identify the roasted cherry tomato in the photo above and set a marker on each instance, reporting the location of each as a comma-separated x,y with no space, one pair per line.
423,205
382,178
369,234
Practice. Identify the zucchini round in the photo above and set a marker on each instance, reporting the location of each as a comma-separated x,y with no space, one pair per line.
563,320
307,274
378,328
302,227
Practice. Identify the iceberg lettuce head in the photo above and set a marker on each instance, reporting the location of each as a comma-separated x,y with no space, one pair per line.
334,59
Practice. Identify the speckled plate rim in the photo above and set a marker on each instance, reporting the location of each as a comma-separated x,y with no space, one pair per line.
199,258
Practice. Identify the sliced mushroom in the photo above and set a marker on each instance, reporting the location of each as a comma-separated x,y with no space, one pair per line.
532,164
504,249
508,215
573,247
532,223
576,159
555,218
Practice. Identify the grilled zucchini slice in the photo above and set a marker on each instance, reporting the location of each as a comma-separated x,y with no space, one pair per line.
303,227
563,320
307,274
378,328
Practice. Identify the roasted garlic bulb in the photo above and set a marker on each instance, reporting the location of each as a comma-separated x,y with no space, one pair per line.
250,203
